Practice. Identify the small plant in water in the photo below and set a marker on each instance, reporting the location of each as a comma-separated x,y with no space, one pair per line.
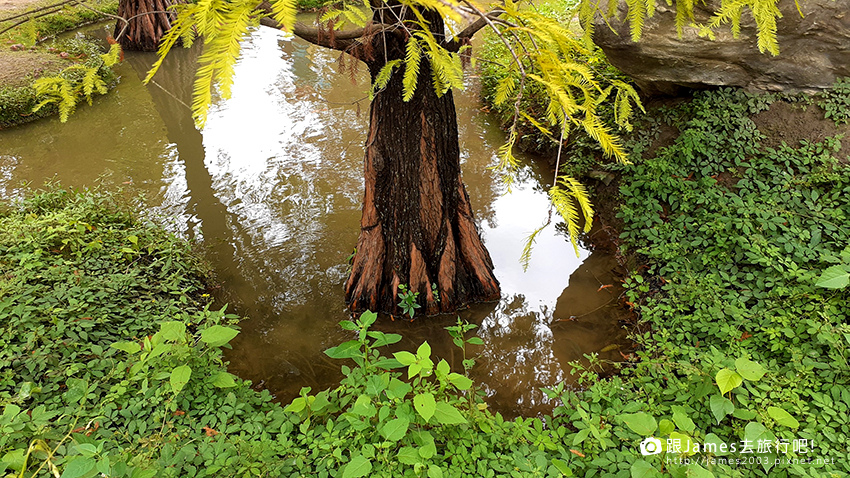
408,300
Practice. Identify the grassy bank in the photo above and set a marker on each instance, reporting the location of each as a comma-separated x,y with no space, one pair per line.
29,54
736,205
53,80
49,22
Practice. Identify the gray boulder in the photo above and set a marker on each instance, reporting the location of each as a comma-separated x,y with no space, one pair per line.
814,50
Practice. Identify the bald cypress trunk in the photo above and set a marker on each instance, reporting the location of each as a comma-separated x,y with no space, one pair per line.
417,226
148,22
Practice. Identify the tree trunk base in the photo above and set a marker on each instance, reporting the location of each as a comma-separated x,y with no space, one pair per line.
417,227
149,20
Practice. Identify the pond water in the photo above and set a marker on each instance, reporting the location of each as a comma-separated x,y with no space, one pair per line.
272,187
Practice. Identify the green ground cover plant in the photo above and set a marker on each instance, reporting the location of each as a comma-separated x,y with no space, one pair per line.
747,332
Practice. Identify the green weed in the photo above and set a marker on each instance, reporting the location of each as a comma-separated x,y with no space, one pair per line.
744,341
836,102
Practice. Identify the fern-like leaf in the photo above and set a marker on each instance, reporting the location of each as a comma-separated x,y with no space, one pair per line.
412,58
508,164
572,202
525,257
504,89
383,77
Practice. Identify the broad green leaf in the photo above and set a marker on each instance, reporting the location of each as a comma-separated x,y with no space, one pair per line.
447,414
129,347
435,471
695,471
835,277
443,368
642,469
428,450
460,381
386,339
11,411
363,406
686,444
388,364
398,389
562,467
357,467
172,330
744,414
715,445
720,407
756,432
405,358
425,405
368,318
748,369
395,430
13,460
782,417
641,423
78,466
377,383
408,455
681,419
345,350
77,390
727,379
581,436
665,426
224,380
218,335
297,405
180,377
103,467
424,351
86,449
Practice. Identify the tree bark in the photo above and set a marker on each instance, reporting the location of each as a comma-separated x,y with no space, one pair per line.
148,22
417,226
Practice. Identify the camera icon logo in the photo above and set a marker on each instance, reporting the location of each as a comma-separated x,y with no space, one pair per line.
650,446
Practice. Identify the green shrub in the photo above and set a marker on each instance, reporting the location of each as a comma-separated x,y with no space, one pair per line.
17,104
741,343
836,102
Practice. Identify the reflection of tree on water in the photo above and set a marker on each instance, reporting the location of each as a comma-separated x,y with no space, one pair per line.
171,92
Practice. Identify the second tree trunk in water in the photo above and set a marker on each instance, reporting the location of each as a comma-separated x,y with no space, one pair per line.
149,20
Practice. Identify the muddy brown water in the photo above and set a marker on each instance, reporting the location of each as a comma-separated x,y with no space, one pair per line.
272,186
